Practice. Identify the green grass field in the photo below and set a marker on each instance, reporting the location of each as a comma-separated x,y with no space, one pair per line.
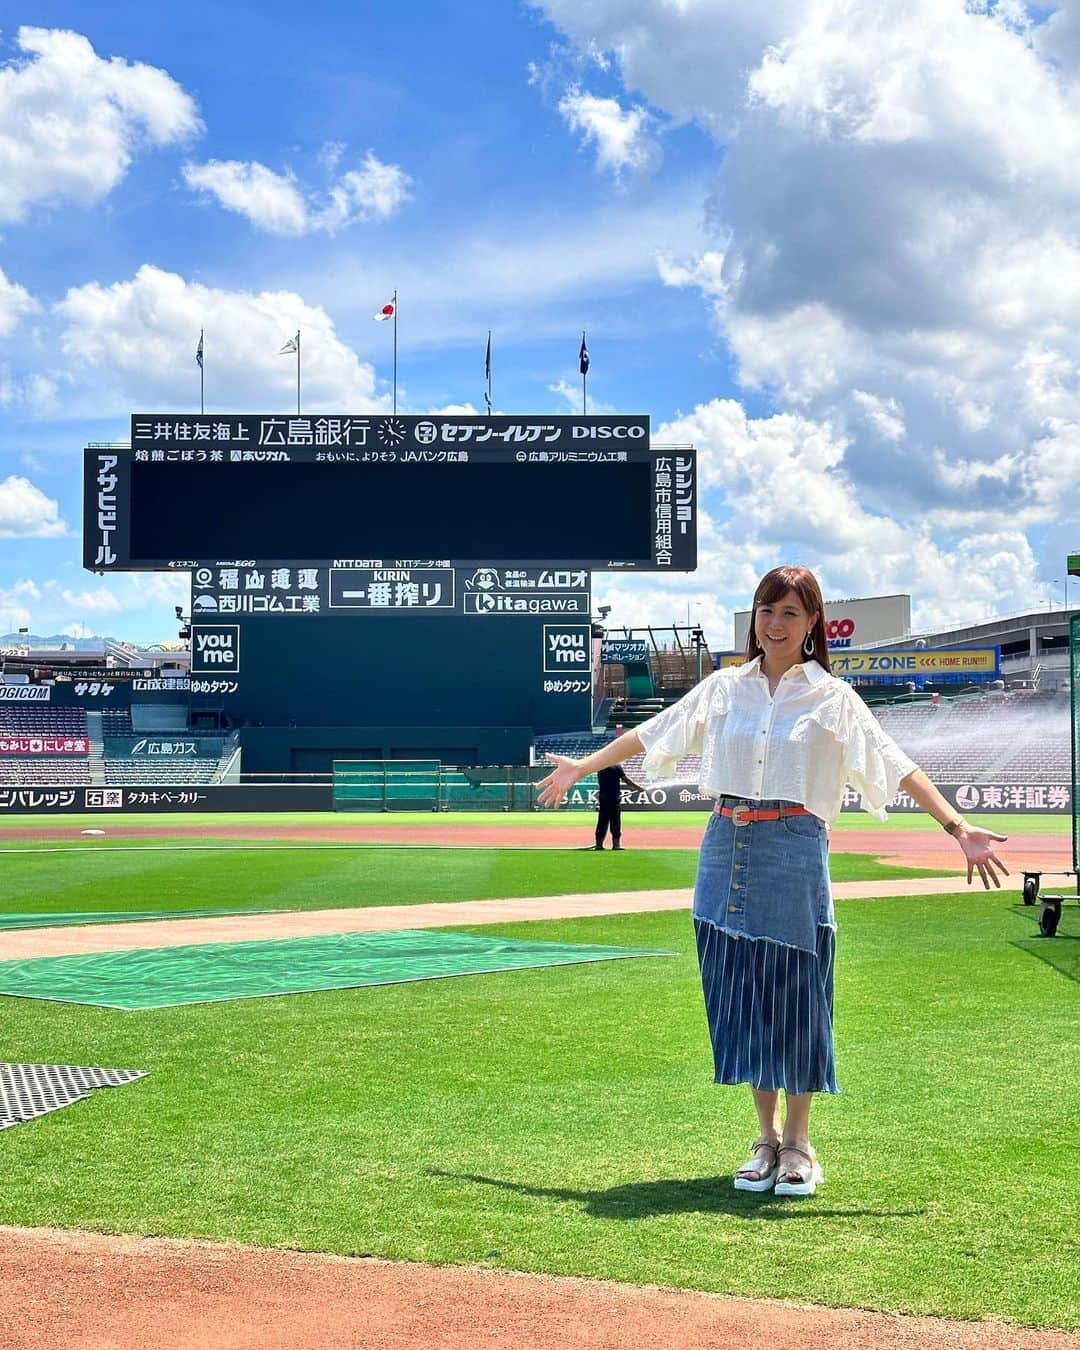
563,1120
144,880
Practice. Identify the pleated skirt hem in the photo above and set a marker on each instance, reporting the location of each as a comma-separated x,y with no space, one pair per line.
770,1010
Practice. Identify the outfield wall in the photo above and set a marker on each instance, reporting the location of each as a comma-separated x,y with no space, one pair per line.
985,798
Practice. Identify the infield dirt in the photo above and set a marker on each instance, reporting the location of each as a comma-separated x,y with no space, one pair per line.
86,1291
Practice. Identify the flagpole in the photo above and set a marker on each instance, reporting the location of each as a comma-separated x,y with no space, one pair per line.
395,349
298,372
202,374
487,363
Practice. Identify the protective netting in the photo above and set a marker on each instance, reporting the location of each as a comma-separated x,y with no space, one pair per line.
209,973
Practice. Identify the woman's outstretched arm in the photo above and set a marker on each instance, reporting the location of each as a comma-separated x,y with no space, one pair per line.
567,772
975,842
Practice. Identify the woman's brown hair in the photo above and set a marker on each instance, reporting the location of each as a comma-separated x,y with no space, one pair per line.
772,587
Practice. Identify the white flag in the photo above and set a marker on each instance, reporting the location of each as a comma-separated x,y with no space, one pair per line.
387,312
292,345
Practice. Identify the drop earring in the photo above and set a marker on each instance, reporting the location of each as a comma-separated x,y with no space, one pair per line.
808,645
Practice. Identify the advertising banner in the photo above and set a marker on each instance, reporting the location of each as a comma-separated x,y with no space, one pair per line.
181,746
44,745
620,652
109,802
974,661
113,674
25,693
987,798
375,586
983,798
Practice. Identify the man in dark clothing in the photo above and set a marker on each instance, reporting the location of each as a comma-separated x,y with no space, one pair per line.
609,781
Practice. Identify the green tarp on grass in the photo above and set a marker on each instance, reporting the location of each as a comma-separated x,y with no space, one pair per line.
165,977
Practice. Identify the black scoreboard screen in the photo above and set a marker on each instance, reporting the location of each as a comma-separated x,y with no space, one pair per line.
192,489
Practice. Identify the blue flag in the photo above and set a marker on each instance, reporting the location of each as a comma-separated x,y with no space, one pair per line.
198,353
583,357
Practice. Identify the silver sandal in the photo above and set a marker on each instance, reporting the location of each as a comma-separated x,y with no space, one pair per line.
764,1162
807,1172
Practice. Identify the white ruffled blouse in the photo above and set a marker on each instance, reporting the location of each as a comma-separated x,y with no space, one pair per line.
805,744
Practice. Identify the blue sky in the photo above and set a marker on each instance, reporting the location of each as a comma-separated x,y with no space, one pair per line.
832,247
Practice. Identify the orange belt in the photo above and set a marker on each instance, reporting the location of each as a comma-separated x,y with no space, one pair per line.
743,815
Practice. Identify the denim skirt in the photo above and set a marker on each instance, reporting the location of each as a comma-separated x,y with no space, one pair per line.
766,933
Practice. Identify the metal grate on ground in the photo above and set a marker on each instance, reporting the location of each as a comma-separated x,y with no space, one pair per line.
28,1091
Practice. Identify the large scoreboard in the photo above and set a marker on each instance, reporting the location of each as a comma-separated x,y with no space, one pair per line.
501,491
373,586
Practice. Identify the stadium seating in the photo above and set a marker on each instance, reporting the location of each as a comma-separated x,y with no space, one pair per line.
159,770
21,770
1017,737
23,720
44,770
116,722
96,767
574,744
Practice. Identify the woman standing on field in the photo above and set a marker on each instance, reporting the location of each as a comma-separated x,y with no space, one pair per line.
779,738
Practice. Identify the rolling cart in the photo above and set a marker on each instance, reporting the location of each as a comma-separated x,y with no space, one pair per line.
1050,914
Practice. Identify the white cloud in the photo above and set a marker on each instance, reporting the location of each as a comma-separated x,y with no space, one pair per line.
15,301
621,136
99,601
101,606
26,512
1059,38
689,59
15,602
572,394
270,200
372,192
142,334
278,204
71,122
774,489
895,254
885,415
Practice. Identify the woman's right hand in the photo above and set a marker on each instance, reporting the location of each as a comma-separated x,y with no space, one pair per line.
560,780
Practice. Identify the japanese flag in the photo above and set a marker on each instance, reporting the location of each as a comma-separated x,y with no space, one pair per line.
387,312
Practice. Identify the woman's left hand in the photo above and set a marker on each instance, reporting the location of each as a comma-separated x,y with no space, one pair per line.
977,844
